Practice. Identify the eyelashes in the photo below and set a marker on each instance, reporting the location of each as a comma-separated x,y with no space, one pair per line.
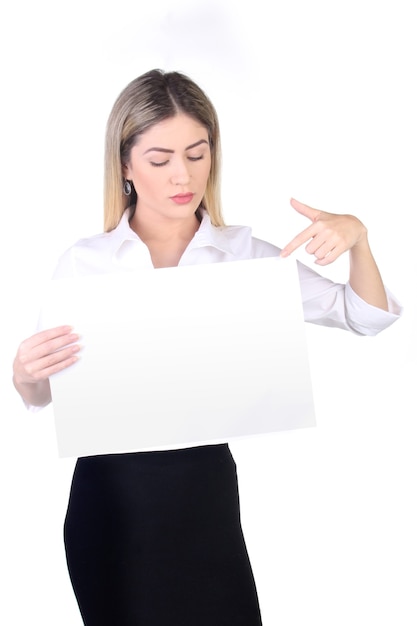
193,159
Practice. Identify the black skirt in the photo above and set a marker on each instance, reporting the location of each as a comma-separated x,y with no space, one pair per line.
154,539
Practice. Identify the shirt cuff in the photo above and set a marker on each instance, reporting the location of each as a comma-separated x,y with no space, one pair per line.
367,319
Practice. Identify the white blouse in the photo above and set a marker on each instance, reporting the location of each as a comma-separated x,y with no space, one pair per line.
324,301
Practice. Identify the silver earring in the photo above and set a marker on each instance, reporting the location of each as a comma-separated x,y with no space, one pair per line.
127,188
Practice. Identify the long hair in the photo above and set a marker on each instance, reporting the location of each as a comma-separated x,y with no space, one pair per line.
147,100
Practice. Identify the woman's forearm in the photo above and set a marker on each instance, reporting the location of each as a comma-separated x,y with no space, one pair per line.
365,278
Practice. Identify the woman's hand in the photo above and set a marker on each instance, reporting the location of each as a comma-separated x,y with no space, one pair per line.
40,356
329,235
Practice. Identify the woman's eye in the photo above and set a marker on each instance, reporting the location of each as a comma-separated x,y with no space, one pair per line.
154,164
161,163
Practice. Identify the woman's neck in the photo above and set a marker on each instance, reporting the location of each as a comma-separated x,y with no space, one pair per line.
165,238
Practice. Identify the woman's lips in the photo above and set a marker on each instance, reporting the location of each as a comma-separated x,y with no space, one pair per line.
182,198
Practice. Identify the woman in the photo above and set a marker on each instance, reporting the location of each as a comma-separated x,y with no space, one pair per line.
155,538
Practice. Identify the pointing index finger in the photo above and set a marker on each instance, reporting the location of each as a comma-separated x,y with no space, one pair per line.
298,241
304,209
308,233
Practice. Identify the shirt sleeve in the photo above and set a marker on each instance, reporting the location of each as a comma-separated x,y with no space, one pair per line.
337,305
328,303
63,269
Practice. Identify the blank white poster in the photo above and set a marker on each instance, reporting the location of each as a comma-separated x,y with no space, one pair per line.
180,356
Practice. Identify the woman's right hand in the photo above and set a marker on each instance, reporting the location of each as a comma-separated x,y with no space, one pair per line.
45,353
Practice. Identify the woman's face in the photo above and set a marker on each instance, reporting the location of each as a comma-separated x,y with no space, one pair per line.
169,166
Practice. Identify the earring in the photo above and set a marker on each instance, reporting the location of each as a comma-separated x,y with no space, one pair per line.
127,188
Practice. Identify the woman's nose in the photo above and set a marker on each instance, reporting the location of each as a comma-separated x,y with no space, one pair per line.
180,174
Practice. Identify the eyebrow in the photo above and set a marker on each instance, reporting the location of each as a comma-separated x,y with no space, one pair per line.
193,145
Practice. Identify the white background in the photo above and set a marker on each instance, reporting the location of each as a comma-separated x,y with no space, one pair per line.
316,100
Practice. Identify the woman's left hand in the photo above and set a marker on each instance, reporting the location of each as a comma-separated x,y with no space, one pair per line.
329,235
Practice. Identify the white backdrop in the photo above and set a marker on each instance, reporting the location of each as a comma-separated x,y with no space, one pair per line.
316,100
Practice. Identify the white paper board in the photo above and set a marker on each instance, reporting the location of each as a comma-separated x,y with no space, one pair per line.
180,356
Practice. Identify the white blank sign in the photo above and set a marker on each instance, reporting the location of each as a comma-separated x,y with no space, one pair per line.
180,356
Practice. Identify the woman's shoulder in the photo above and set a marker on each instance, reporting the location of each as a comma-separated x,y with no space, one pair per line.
98,241
244,243
94,254
88,255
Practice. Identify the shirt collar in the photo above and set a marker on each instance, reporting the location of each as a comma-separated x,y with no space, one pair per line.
123,232
206,235
209,235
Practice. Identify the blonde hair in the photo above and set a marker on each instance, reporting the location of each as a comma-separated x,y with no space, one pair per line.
147,100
